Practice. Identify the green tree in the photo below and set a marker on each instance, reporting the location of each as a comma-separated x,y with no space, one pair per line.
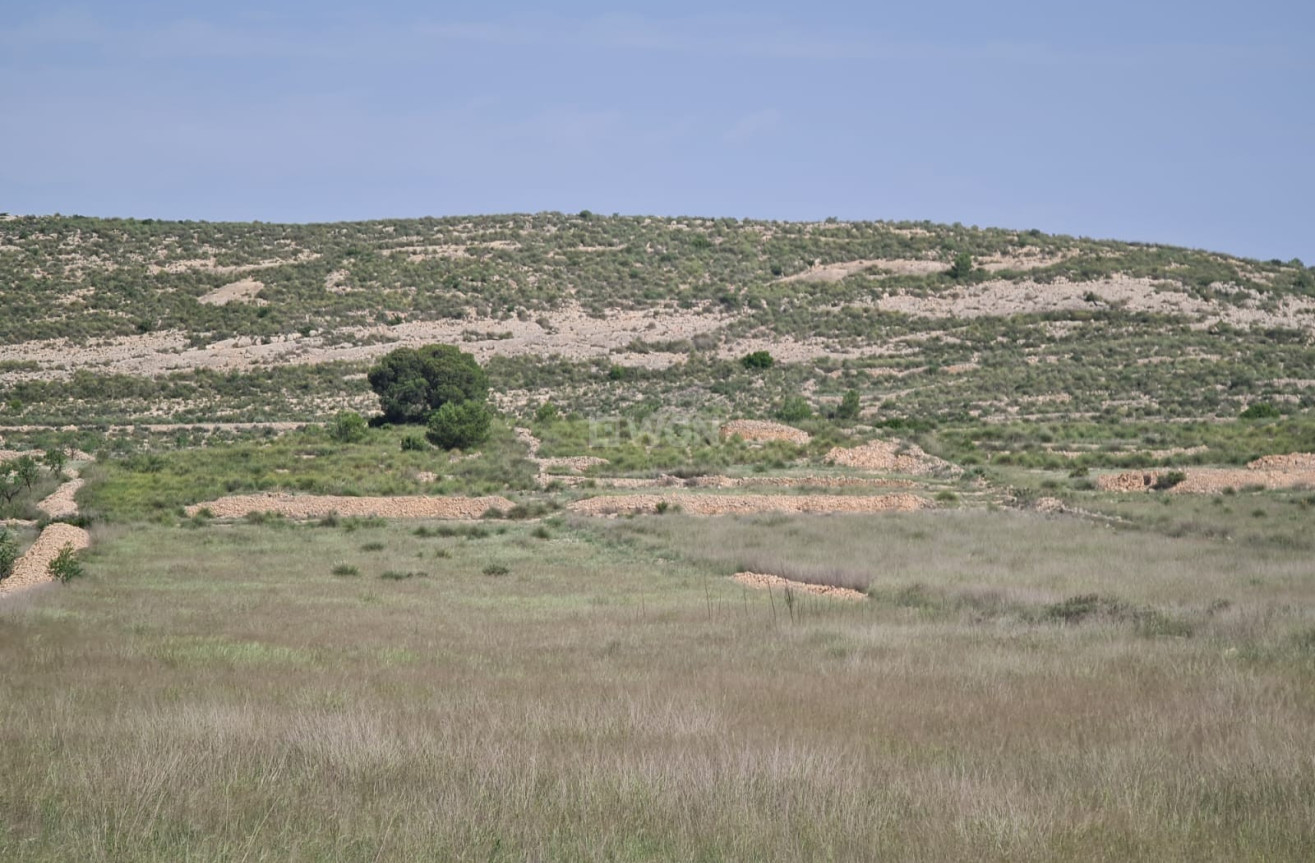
413,383
459,425
849,406
55,460
27,470
962,267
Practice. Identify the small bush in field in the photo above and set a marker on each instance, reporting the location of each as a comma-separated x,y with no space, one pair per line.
66,565
758,360
348,427
414,443
496,569
345,569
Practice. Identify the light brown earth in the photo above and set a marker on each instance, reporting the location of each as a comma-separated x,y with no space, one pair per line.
759,431
319,506
33,568
242,291
892,456
743,504
762,581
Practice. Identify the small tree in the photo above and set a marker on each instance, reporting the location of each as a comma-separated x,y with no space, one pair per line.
849,406
55,460
459,426
8,553
10,484
27,470
758,360
412,384
348,427
962,267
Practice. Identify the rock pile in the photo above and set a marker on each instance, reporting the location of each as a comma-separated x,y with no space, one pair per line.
894,457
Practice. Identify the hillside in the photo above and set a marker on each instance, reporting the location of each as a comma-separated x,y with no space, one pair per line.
130,322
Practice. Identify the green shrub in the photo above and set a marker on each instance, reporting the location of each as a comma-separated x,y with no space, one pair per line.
459,425
758,360
372,546
496,569
345,569
1260,411
348,427
414,443
794,409
8,552
66,565
1166,481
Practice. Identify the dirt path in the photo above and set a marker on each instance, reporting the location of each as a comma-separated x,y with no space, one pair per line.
762,581
318,506
33,568
727,504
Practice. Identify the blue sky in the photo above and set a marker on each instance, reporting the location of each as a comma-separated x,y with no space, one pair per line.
1175,122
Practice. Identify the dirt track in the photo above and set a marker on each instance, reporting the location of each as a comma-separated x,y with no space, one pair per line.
33,567
769,582
728,504
318,506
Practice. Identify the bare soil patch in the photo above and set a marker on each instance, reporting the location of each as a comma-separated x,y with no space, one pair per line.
33,567
844,269
317,506
743,504
762,581
1002,298
242,291
760,431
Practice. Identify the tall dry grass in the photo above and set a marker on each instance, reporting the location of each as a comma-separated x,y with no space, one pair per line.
217,694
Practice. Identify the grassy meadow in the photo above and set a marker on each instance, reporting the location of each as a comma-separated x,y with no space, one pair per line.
1016,687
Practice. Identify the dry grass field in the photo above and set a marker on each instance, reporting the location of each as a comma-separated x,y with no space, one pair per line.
579,689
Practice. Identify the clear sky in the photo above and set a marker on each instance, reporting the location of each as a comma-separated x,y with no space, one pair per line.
1190,123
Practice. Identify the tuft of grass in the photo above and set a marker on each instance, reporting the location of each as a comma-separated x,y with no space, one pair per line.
345,569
